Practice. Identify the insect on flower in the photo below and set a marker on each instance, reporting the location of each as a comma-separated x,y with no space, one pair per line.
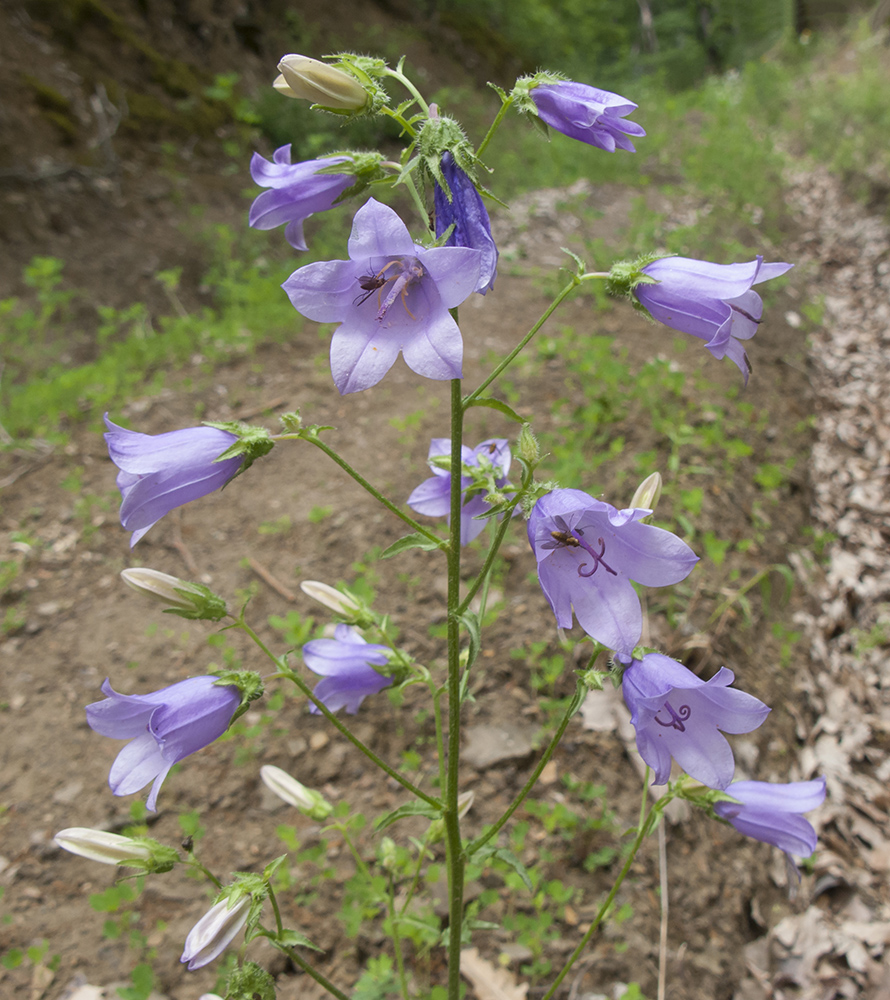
369,284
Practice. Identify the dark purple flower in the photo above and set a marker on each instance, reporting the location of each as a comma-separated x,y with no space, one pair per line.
433,496
163,727
298,190
676,714
391,295
345,663
587,114
161,471
771,812
713,302
467,212
588,552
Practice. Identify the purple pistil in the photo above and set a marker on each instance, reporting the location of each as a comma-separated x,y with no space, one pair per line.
565,537
677,720
408,271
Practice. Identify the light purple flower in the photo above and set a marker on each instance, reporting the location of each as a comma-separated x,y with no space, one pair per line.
713,302
163,727
771,812
345,662
433,496
467,212
298,190
588,552
391,295
676,714
161,471
587,114
215,931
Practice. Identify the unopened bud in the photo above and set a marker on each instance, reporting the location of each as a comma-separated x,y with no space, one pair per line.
289,790
387,853
319,83
188,600
114,849
648,492
528,446
335,600
437,827
215,930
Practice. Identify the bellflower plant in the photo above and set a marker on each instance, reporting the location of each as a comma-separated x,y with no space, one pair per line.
587,114
713,302
391,295
432,497
462,206
163,728
347,664
161,471
771,812
297,190
588,552
676,714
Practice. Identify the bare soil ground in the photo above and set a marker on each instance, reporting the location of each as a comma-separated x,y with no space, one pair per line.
727,896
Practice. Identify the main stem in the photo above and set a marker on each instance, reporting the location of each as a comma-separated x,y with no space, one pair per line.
454,850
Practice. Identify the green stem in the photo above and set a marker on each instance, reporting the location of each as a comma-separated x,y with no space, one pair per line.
397,942
483,574
440,737
498,118
454,855
415,881
511,357
642,832
276,910
408,128
574,705
353,850
387,503
298,960
409,86
294,677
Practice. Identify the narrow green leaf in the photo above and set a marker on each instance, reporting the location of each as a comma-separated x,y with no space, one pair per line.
499,405
410,809
413,541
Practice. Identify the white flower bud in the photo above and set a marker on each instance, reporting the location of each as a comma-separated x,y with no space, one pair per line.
290,790
159,586
99,845
319,83
337,602
648,492
214,931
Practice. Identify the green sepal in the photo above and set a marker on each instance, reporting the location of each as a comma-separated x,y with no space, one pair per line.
409,809
253,442
248,682
413,541
625,275
499,405
208,605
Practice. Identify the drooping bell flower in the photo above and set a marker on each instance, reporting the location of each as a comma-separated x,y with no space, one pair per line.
433,496
714,302
462,207
346,663
587,114
215,931
296,191
163,728
588,552
391,296
771,812
159,472
676,714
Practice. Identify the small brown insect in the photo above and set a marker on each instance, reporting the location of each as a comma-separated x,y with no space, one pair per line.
565,538
369,283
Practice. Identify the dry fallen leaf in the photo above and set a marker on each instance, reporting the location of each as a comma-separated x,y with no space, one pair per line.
490,982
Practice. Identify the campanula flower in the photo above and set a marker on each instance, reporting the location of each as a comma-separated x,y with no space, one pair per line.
215,931
346,663
100,845
588,552
466,211
163,727
391,295
161,471
676,714
771,812
433,496
588,114
297,190
295,794
713,302
315,81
